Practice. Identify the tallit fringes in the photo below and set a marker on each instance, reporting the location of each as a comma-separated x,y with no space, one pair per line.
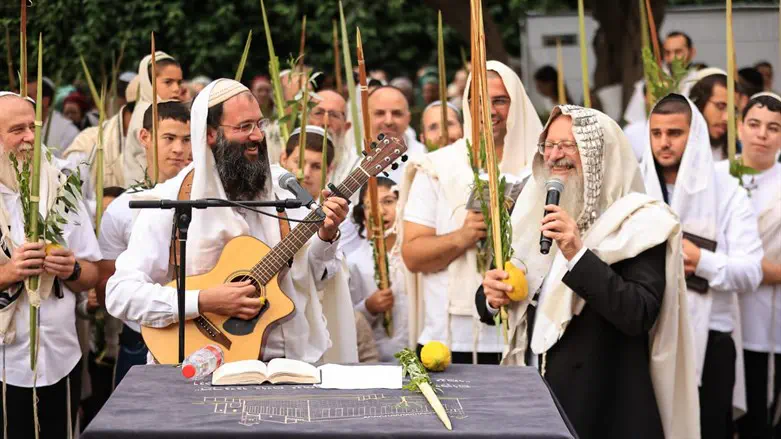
36,421
543,363
68,408
5,401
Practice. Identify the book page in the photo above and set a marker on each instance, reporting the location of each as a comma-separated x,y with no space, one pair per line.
230,371
335,376
287,367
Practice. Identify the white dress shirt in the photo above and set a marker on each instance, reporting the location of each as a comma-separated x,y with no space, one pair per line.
427,206
761,309
115,228
59,349
137,291
735,266
363,285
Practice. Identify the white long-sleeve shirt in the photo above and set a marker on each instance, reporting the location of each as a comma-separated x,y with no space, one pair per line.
137,291
59,349
761,309
736,265
363,285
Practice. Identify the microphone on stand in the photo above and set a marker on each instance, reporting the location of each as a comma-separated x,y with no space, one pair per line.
553,188
290,183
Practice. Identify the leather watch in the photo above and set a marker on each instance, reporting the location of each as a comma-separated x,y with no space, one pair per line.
76,273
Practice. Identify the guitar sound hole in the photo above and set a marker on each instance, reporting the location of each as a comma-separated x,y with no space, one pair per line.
238,326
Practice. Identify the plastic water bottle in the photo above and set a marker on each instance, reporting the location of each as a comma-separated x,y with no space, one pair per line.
203,362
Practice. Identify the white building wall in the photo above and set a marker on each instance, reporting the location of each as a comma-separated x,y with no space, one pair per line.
755,27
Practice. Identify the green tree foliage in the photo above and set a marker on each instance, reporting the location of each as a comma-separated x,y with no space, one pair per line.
208,37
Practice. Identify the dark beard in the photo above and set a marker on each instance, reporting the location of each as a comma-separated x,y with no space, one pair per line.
719,143
242,179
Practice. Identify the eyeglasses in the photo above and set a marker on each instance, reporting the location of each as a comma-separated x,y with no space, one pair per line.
248,127
567,146
332,114
499,101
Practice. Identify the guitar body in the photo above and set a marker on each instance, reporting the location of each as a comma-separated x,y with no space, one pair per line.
239,339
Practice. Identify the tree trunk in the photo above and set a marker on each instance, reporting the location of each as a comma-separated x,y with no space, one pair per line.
618,42
455,13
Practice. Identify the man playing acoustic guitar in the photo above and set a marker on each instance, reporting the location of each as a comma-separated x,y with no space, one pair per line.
230,161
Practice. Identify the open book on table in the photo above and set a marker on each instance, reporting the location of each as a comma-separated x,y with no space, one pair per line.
327,376
277,371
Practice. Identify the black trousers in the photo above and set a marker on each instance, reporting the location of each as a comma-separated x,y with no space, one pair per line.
718,379
52,408
757,422
466,357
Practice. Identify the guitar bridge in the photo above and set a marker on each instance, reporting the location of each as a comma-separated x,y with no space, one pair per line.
210,331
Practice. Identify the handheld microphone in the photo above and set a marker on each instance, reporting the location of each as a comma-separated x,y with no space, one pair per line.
553,188
289,182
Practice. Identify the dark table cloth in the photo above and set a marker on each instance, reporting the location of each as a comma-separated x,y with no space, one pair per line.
481,401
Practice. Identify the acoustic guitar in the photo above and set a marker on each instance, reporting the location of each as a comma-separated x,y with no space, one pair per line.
245,258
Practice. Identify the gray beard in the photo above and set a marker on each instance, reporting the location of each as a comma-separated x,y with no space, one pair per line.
242,179
572,198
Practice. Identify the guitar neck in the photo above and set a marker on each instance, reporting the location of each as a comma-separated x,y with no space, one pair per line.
278,257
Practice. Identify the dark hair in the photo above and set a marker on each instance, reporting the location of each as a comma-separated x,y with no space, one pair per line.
763,64
160,65
129,107
768,102
214,116
673,104
113,191
677,33
314,142
167,110
359,211
546,74
751,81
47,91
702,91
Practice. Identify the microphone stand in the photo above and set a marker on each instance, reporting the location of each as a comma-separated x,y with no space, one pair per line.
183,211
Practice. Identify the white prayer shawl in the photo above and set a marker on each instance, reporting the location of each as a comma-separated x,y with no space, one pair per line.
769,232
134,156
618,222
305,339
113,142
695,200
450,167
51,179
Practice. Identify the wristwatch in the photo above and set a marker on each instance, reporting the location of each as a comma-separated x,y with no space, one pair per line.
76,273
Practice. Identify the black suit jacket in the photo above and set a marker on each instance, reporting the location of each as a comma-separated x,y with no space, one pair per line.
599,370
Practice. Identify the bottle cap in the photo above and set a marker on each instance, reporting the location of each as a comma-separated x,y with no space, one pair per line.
188,370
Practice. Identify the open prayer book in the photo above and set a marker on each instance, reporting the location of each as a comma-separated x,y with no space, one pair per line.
328,376
277,371
512,188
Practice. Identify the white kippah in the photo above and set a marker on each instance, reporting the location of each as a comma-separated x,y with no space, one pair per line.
225,89
313,129
768,94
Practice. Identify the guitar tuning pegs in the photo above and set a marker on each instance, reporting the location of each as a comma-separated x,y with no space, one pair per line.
381,137
395,166
364,153
373,145
404,158
386,174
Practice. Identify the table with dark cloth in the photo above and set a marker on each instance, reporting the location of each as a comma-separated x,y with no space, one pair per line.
481,401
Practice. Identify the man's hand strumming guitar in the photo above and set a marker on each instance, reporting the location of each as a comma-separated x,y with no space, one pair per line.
235,299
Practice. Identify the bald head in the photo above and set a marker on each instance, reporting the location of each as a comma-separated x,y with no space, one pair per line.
331,110
430,126
389,112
